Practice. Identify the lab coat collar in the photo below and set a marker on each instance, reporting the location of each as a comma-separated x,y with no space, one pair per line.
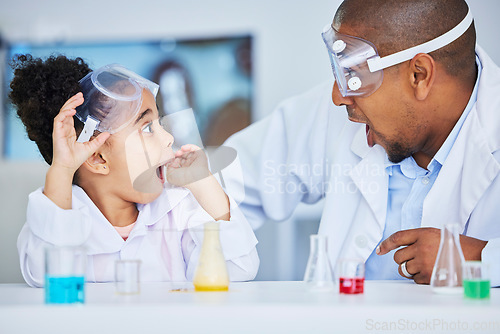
105,239
488,100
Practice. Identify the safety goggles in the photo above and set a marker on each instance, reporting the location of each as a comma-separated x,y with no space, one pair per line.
112,98
357,66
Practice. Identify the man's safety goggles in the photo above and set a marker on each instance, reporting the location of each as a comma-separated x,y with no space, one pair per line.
357,66
112,98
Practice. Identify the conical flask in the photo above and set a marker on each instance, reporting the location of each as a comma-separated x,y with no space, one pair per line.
211,272
318,275
447,272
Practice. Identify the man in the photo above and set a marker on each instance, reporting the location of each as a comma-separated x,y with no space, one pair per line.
418,148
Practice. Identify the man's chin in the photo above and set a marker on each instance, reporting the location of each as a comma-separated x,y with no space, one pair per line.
396,158
397,154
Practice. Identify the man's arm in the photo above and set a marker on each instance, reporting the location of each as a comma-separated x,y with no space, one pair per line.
282,157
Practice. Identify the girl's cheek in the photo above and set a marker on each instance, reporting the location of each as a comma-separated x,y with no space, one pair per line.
138,157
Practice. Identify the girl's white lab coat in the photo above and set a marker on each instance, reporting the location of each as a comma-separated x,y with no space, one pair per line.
167,238
308,149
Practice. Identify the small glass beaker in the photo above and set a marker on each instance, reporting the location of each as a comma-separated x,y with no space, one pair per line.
318,275
65,274
476,280
351,273
127,279
447,272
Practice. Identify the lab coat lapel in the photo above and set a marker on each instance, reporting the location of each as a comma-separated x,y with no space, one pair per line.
150,214
466,174
470,167
103,236
355,211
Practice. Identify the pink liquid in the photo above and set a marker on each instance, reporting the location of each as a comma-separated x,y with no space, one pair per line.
351,285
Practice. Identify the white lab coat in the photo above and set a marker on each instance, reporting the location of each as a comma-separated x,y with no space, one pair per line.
307,149
166,237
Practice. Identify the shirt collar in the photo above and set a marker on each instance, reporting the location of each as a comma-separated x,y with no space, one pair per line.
408,167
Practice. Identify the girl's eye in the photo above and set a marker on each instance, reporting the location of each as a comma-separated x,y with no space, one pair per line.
148,128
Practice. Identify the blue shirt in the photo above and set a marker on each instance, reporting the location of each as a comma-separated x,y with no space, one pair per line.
409,184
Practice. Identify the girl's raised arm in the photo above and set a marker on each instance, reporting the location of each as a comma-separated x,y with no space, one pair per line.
68,155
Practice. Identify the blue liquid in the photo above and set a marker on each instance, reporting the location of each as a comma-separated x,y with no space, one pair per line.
64,290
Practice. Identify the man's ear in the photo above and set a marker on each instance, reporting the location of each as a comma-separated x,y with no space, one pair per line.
97,164
422,75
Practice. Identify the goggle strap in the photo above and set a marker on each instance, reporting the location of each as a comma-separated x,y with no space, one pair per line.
377,63
88,130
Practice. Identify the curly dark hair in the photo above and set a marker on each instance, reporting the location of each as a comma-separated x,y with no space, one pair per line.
38,91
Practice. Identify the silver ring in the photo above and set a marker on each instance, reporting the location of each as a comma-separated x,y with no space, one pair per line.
405,271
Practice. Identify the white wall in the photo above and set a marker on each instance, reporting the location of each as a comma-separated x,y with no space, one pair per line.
289,52
289,57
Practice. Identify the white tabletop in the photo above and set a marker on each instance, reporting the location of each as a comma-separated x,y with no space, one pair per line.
250,307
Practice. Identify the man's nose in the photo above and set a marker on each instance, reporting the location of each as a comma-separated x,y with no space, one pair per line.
338,99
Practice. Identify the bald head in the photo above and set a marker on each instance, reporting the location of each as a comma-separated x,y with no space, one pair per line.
395,25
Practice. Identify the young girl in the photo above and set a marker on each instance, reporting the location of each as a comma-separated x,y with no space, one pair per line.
108,193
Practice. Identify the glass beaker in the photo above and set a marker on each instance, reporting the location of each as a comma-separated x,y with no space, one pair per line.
211,272
476,280
318,275
127,279
447,272
65,274
351,274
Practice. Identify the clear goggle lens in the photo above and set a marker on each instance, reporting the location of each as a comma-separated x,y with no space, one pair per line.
112,99
348,57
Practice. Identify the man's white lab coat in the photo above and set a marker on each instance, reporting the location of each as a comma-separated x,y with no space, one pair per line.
307,149
166,237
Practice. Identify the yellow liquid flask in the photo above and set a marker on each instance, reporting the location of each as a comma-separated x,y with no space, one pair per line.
211,272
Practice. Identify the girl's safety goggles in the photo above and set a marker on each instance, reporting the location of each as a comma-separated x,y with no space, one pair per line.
357,66
112,98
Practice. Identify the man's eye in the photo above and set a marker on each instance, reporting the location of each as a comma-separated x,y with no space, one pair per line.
148,128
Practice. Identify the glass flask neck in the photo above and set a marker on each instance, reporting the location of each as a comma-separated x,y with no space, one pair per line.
318,275
447,272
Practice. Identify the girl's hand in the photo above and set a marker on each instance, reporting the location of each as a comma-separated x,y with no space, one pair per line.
190,169
189,165
67,153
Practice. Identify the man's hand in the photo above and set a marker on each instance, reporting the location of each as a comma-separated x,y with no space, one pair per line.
421,249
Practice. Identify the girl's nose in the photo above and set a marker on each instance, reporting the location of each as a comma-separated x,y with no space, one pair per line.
167,138
338,99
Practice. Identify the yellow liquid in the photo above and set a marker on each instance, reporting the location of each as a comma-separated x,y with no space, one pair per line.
211,288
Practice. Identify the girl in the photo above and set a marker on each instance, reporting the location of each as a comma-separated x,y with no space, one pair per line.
107,193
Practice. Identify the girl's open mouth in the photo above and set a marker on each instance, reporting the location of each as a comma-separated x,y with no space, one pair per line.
161,172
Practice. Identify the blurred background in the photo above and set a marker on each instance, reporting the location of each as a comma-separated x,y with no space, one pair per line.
231,61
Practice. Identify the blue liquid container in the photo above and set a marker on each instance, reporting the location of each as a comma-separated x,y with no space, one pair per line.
64,290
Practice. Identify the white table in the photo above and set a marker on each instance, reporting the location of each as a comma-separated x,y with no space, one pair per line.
250,307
